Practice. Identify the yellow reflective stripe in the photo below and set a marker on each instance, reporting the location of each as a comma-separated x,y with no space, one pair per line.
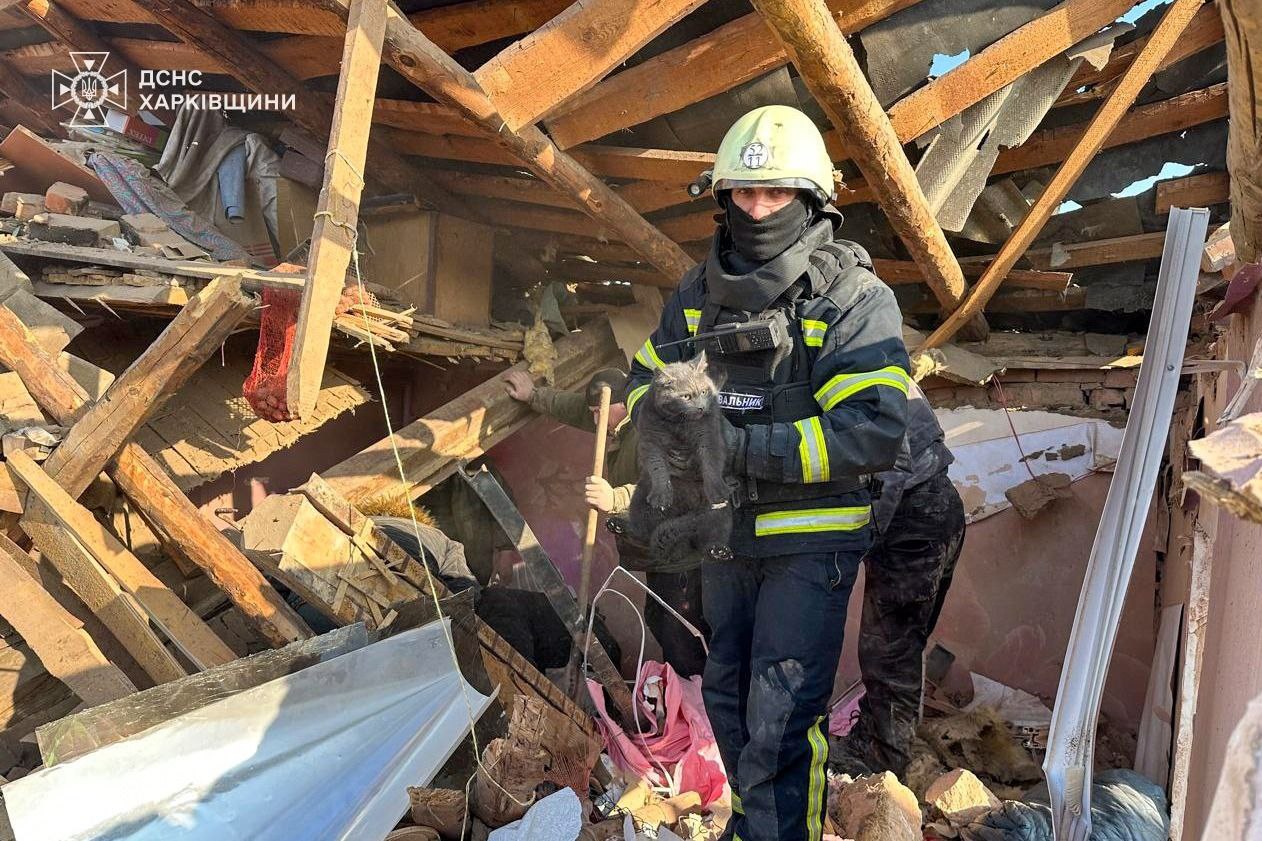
693,317
647,356
737,806
818,782
844,385
634,396
812,450
812,520
813,332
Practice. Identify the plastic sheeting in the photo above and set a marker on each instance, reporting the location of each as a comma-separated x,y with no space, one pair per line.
327,753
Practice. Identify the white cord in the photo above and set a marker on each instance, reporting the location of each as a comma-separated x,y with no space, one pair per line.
416,529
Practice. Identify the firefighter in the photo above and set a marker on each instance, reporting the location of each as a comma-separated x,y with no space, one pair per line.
681,590
920,532
815,402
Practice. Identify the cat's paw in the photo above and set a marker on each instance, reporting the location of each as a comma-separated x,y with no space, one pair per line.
661,498
716,494
720,552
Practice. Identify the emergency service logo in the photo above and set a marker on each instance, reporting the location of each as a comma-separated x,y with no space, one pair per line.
754,155
90,91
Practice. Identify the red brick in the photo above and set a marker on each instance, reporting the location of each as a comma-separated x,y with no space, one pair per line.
1071,375
1121,377
65,198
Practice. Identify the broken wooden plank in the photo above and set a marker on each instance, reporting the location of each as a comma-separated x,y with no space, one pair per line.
75,735
1194,191
1173,22
37,165
736,52
533,76
895,272
32,105
1231,467
55,635
183,627
164,367
1078,255
183,529
463,428
833,75
333,239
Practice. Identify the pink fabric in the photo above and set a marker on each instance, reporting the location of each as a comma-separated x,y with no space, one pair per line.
684,747
843,716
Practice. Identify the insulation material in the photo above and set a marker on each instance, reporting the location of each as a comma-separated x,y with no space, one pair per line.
989,460
327,752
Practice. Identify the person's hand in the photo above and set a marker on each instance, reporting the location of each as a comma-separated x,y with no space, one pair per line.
598,494
519,386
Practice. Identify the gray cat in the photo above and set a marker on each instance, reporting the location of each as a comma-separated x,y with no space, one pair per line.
680,506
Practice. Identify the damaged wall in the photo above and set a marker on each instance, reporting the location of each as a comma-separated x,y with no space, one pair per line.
1232,672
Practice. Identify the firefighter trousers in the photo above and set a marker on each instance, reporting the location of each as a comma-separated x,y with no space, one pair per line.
776,632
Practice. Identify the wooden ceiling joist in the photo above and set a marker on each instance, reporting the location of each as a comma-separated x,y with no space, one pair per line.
1204,190
572,52
33,105
833,75
736,52
1173,22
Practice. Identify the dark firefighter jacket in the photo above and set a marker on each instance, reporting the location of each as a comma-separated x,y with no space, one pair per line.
857,369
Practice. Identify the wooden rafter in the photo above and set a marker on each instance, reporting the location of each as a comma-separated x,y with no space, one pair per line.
833,75
34,105
454,26
571,52
1243,23
1205,30
1001,64
736,52
418,60
334,235
1173,22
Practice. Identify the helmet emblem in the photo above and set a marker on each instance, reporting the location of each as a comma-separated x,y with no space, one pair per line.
754,155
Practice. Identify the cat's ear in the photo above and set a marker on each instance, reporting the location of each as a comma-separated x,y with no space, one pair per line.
700,362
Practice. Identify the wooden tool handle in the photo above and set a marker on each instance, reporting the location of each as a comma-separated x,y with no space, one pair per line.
593,515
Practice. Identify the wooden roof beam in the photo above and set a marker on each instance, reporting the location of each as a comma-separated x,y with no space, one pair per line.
833,75
718,61
1172,24
572,52
1242,19
421,62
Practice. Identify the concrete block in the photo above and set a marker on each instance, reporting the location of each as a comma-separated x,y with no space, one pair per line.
28,207
9,203
72,230
134,224
1121,377
960,798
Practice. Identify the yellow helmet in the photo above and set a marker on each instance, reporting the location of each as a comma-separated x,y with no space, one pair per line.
774,146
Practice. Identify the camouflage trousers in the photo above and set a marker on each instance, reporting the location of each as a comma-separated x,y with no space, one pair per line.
907,574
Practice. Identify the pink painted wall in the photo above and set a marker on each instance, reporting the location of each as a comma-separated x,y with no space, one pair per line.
1011,606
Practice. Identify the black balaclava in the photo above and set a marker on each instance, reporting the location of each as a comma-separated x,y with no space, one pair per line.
760,240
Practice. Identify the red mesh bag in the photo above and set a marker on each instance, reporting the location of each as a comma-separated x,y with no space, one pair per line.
265,387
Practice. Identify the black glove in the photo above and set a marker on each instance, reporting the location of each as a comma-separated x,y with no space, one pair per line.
735,439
